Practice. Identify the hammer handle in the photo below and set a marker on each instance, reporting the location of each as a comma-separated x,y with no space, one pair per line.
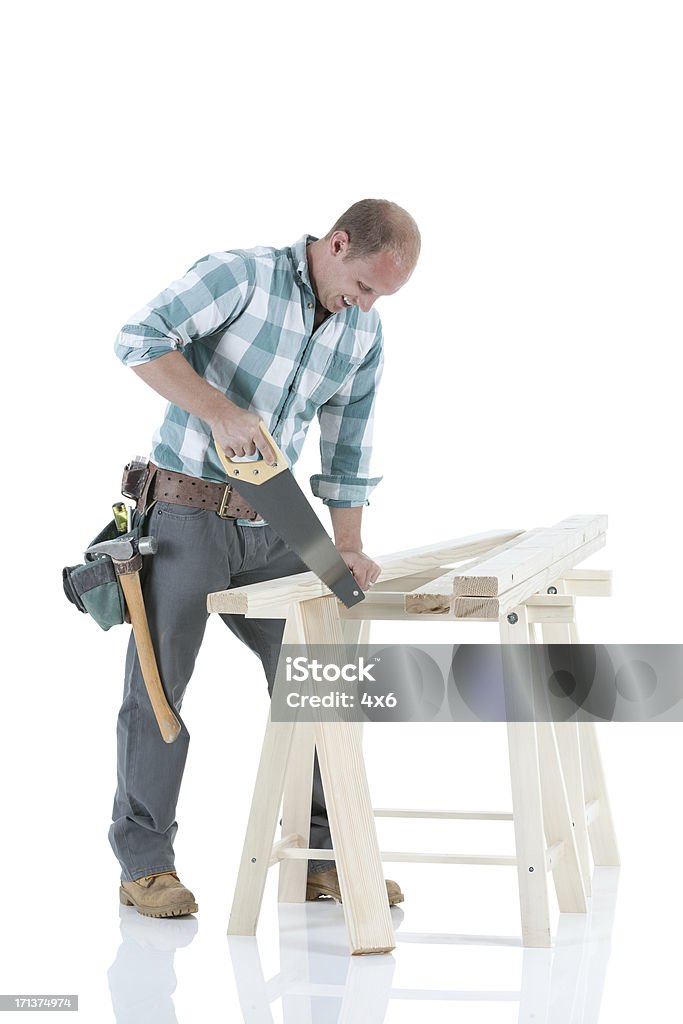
169,725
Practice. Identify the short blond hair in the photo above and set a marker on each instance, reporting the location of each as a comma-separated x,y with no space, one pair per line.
378,225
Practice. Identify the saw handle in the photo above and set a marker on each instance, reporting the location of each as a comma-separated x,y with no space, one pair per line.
254,472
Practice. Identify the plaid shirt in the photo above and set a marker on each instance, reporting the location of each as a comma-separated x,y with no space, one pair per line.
243,319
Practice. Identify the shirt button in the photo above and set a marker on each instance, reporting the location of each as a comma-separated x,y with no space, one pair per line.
310,305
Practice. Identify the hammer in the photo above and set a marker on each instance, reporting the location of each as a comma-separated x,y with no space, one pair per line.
126,554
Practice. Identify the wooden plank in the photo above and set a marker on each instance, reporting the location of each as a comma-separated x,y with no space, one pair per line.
411,812
392,606
306,586
376,606
589,588
491,608
553,855
549,609
428,597
388,605
529,556
304,853
396,856
292,841
408,584
596,575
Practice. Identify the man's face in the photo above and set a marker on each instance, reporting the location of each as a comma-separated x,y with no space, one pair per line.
344,281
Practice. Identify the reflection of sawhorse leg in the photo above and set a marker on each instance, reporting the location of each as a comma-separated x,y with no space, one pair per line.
539,805
563,985
250,981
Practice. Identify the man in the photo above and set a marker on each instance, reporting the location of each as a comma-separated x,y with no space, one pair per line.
273,334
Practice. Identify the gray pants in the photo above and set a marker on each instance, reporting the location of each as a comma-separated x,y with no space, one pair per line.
198,553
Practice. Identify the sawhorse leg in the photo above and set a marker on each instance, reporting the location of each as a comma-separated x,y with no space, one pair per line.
582,766
258,842
352,824
349,809
296,806
558,626
540,806
601,832
265,807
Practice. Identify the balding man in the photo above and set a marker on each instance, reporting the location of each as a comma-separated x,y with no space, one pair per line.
278,335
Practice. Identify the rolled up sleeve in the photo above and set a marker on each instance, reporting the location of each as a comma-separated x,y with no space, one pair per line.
211,294
346,425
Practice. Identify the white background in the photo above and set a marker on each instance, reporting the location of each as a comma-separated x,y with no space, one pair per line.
532,371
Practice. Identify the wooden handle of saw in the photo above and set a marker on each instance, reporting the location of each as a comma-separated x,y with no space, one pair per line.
254,472
169,726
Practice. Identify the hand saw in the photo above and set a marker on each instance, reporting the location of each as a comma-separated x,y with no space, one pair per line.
275,494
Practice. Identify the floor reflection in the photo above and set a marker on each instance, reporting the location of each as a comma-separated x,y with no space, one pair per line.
142,978
320,983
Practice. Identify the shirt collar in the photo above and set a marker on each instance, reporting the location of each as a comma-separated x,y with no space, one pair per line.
300,259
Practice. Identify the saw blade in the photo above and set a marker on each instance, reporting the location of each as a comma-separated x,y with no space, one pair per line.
283,504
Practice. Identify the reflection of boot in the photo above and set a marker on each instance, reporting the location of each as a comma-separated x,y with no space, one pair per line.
162,895
326,883
142,978
159,936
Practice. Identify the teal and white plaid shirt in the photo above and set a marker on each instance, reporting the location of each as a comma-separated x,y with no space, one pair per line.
243,319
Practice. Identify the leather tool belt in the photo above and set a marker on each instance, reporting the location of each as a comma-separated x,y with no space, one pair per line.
181,489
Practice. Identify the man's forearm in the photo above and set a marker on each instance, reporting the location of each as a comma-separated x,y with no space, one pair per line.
172,377
346,524
235,429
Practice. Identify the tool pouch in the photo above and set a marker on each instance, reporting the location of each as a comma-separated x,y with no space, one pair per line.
93,586
135,480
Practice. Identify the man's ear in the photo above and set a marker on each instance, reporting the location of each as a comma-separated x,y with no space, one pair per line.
340,243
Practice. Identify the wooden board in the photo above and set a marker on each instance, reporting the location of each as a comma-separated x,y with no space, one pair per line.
532,553
263,599
434,596
493,607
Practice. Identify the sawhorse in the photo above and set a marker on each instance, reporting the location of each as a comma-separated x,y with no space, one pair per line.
561,813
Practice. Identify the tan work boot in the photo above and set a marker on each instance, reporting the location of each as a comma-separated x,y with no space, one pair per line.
326,883
162,895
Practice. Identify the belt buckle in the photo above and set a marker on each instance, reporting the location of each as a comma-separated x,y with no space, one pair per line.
225,502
